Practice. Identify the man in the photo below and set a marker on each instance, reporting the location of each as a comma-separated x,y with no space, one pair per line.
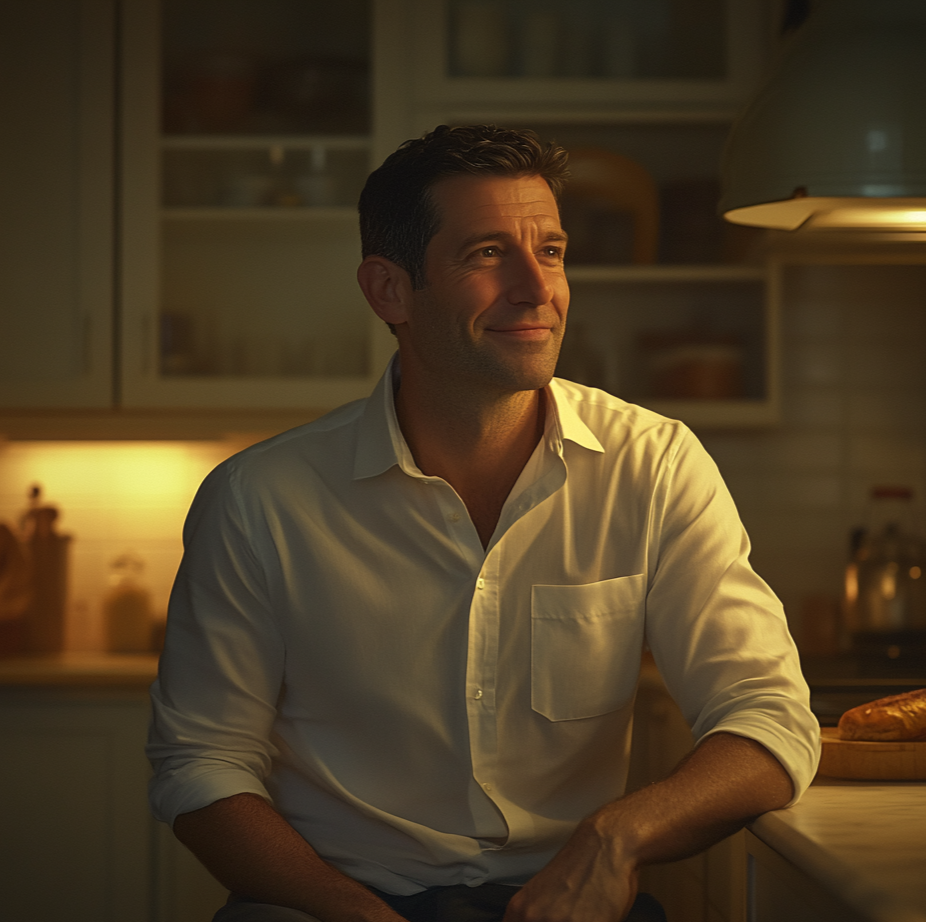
404,640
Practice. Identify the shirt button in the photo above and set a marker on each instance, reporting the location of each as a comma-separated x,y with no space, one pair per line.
480,583
454,516
487,786
478,694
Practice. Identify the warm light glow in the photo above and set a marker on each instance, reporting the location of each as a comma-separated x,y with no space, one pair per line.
878,218
113,498
889,581
828,213
915,572
142,471
851,583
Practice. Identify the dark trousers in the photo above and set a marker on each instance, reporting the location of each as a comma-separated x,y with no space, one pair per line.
436,904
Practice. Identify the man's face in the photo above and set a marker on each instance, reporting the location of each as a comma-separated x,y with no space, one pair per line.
493,310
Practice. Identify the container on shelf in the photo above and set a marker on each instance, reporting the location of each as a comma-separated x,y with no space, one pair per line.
127,614
47,553
292,67
693,364
691,342
276,172
597,39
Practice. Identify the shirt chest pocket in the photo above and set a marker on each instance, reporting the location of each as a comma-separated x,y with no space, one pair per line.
585,646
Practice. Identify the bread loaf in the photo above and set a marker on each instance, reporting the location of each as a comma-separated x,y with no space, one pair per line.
897,717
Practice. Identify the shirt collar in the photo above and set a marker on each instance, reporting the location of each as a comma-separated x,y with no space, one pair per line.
381,445
566,423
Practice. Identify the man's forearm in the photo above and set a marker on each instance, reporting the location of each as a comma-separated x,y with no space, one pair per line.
249,848
713,792
719,787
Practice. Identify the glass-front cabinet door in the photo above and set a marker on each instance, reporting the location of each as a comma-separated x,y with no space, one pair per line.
606,52
246,143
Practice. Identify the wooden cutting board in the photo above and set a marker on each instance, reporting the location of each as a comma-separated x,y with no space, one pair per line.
864,761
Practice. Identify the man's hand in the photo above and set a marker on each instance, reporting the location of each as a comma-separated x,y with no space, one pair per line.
589,880
715,791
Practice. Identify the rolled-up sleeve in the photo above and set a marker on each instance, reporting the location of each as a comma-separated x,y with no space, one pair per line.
717,632
214,700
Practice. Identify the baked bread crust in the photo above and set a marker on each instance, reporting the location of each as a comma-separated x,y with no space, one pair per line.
895,718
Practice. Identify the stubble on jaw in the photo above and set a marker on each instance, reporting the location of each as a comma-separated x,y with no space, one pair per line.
479,367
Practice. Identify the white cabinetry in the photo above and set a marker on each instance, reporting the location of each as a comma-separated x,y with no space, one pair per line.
76,829
242,165
78,840
221,271
56,199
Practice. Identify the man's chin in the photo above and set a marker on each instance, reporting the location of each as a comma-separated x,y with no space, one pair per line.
525,378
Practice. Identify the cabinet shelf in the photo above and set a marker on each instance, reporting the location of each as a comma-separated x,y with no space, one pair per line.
263,142
692,342
665,273
338,213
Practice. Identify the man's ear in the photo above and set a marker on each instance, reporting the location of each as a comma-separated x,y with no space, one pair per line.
387,287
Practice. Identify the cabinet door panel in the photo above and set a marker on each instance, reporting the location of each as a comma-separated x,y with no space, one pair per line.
76,830
56,67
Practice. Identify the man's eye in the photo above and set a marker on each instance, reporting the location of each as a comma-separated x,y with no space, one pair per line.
554,252
489,251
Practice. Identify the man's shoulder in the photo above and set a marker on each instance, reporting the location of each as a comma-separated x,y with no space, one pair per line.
318,438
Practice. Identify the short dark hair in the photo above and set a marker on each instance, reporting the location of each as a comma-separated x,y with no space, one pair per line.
398,217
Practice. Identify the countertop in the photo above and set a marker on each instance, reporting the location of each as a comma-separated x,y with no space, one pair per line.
865,841
84,670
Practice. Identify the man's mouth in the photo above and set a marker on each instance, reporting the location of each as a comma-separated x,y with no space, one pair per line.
532,333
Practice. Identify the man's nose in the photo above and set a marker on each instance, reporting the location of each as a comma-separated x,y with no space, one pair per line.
529,281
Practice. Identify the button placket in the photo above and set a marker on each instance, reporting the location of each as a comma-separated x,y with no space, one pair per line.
482,665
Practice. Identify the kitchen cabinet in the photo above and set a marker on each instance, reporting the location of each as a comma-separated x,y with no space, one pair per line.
56,201
185,259
234,232
78,840
76,830
246,139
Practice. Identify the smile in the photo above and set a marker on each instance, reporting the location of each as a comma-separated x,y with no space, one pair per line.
526,334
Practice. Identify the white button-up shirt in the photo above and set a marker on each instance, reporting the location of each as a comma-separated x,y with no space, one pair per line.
428,712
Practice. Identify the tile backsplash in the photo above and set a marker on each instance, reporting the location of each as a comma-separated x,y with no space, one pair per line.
112,497
854,416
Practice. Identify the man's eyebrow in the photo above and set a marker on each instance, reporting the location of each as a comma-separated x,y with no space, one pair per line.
489,236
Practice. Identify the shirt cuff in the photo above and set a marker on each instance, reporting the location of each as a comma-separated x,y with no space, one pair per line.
183,790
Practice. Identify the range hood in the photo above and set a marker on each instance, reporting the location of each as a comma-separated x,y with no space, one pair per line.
837,136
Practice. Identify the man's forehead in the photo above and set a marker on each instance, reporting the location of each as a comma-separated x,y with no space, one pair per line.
471,198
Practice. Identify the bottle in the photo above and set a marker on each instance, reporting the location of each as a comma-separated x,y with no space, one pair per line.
127,607
47,555
886,577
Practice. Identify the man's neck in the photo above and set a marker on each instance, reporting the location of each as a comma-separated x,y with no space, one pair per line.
479,446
